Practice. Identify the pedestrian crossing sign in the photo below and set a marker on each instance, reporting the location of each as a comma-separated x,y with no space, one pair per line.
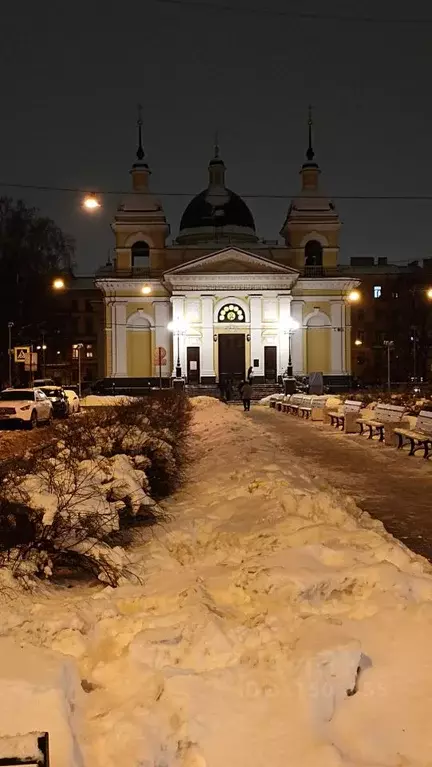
22,353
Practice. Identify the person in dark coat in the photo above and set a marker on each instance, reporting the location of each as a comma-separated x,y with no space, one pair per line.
246,395
249,376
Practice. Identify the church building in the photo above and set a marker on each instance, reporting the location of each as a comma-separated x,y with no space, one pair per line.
216,299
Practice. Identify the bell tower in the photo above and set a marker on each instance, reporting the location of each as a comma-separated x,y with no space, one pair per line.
312,225
140,225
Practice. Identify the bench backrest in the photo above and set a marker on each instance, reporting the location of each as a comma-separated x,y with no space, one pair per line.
297,399
318,400
389,412
352,406
424,421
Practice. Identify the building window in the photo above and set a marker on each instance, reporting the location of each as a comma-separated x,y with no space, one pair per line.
313,253
89,351
377,291
89,355
140,255
231,313
89,326
395,295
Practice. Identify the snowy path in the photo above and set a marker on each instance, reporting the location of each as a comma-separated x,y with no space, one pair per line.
261,598
387,483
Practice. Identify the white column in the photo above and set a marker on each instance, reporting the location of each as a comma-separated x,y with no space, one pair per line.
120,339
111,331
297,337
207,357
178,313
284,305
256,342
162,315
337,337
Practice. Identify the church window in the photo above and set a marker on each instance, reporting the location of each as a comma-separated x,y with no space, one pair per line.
231,313
377,291
140,255
313,253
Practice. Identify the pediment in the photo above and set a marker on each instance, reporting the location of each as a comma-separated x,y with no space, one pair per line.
231,261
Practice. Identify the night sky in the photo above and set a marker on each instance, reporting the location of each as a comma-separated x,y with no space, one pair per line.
73,74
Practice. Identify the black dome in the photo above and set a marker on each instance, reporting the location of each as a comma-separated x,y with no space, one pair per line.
201,213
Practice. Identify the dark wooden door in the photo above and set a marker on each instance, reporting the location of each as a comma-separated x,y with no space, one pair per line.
270,364
232,356
193,364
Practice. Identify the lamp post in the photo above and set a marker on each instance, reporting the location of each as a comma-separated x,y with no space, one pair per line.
10,326
288,378
79,347
389,345
178,327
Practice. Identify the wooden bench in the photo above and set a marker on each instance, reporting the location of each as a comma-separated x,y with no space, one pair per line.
275,399
418,437
350,406
313,407
296,401
383,416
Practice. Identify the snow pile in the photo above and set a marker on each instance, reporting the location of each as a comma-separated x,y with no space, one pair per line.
274,624
40,691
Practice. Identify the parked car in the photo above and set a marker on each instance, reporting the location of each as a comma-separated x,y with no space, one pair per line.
73,400
39,382
59,400
30,407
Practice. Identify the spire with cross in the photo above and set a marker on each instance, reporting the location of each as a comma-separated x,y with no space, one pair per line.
310,154
140,150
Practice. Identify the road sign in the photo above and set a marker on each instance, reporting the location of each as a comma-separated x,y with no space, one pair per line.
29,366
160,356
21,353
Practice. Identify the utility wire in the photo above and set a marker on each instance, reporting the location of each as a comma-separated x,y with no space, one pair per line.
299,15
249,195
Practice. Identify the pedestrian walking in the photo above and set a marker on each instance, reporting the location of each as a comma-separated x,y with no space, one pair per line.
249,376
246,395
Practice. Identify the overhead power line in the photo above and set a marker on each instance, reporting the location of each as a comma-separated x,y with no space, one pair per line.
295,15
251,195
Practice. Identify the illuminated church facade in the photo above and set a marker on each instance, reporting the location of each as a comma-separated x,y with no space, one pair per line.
217,296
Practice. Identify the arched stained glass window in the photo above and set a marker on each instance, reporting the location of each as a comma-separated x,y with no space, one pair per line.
231,313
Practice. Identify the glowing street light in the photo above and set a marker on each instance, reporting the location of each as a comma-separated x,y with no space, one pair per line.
146,290
59,283
91,202
429,294
178,327
358,342
354,296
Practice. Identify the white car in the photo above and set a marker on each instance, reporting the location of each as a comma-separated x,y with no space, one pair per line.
73,400
30,407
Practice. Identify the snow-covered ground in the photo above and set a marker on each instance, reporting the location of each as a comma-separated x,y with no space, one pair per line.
275,625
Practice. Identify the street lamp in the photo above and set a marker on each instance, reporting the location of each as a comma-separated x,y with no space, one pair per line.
42,347
178,327
10,326
289,381
91,202
389,345
146,290
59,283
429,294
358,342
354,296
78,347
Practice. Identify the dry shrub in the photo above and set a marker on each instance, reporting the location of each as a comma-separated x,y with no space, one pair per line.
65,505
